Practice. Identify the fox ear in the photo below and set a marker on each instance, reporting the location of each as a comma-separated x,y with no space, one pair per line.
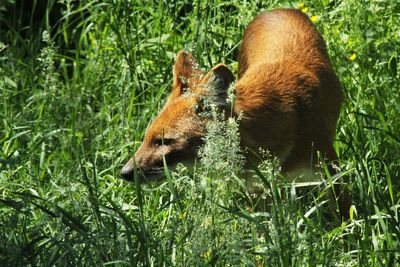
218,81
184,69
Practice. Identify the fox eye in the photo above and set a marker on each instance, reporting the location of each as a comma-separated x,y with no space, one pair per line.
163,141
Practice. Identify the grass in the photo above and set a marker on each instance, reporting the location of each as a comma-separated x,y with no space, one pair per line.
78,87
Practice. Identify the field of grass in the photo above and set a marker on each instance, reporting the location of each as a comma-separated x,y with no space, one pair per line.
80,83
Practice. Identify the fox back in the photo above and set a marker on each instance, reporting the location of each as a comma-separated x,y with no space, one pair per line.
287,94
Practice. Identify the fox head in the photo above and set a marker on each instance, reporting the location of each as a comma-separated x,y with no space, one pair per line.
176,133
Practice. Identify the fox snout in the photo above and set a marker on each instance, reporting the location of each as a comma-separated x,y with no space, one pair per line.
148,162
128,170
146,168
144,174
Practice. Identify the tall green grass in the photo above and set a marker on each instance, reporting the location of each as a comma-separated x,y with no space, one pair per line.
78,88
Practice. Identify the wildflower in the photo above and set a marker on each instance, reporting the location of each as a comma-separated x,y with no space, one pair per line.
207,222
304,10
301,5
206,254
314,18
182,216
352,57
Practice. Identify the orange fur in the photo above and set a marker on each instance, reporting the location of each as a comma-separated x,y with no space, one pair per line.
286,82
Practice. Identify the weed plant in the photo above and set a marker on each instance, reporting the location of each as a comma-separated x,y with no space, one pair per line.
80,83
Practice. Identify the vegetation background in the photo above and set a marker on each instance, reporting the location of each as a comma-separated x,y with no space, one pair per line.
79,82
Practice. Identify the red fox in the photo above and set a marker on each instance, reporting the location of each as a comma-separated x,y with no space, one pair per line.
287,93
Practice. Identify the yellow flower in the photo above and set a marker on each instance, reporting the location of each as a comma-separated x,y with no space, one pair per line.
301,5
304,10
182,216
352,57
206,254
314,18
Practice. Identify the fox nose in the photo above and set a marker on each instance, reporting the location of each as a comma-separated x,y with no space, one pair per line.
127,170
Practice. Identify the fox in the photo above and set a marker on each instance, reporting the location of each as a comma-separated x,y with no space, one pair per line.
287,95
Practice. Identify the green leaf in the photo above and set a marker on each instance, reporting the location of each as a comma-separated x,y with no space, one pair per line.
10,82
